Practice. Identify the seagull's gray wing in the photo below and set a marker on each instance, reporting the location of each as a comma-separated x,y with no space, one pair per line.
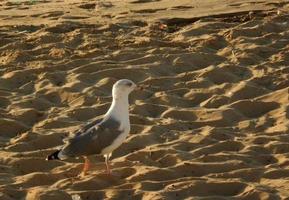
87,126
93,140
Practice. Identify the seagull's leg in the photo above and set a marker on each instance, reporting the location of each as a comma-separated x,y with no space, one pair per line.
107,156
85,166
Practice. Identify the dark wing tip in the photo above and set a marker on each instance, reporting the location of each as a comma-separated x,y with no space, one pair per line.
53,156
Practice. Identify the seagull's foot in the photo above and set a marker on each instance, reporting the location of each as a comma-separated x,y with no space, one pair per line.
108,172
81,175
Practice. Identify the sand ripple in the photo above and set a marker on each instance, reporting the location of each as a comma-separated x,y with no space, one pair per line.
212,122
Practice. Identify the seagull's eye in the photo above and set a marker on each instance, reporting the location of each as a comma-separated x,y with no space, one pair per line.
129,84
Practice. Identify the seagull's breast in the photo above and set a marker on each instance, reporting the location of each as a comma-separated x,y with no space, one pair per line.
119,111
117,142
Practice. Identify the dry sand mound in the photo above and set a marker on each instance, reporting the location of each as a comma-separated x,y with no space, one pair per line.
212,122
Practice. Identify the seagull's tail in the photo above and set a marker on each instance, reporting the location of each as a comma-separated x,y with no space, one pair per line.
54,156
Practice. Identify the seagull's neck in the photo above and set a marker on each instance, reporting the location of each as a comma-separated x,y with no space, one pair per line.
119,109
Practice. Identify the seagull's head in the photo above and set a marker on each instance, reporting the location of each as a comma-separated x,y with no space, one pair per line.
122,88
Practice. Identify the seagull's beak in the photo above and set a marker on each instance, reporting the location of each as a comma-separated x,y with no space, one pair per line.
139,87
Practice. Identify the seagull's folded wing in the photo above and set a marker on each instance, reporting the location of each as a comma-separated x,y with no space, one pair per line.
93,140
82,130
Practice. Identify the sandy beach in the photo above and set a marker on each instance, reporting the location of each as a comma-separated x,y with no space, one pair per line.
211,123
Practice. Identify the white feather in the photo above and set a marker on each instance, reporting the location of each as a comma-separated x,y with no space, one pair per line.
119,110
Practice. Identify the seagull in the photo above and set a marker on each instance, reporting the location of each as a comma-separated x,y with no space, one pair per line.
101,137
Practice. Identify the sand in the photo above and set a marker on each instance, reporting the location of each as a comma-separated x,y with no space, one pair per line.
212,122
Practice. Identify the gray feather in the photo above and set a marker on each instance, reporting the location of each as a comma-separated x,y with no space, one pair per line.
82,130
92,140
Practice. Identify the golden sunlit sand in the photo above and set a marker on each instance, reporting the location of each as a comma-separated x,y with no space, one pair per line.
211,123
